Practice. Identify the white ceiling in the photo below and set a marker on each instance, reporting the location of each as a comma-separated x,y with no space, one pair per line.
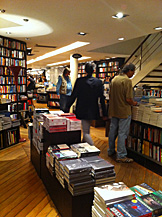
57,22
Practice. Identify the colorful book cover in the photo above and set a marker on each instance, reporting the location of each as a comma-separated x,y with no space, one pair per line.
133,208
153,201
142,189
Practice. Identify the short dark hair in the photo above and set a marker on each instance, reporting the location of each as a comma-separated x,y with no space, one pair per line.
128,67
89,68
65,71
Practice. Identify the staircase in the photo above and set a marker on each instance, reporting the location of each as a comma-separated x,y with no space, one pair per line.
148,58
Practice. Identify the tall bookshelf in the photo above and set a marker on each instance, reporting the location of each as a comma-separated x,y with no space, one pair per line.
13,52
82,72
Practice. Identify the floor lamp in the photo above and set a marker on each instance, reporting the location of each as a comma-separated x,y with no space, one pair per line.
15,70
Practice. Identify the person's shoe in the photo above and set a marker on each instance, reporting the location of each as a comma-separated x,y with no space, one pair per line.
124,160
110,154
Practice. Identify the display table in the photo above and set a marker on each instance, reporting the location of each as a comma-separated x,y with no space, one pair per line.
67,205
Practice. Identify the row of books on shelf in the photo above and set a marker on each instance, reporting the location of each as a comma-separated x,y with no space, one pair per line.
12,88
11,80
117,199
12,44
5,52
8,61
54,96
109,69
11,97
147,148
53,104
103,75
80,173
146,132
105,64
21,106
12,137
6,71
154,92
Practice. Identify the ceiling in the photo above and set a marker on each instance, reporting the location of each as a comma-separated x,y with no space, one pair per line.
57,22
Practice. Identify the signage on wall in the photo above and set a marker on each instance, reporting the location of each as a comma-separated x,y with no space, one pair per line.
76,55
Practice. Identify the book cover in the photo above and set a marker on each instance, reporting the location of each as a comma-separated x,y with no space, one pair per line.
133,208
77,167
112,192
153,201
142,189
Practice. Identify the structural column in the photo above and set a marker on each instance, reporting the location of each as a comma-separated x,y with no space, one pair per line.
74,69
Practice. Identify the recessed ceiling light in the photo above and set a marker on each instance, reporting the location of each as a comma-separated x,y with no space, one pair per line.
27,39
26,20
8,33
121,39
158,28
119,15
82,33
2,11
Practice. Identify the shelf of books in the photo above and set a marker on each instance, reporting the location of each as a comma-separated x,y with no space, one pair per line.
53,99
82,72
108,67
144,143
12,53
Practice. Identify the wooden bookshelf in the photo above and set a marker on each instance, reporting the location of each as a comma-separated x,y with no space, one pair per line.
144,145
53,99
12,53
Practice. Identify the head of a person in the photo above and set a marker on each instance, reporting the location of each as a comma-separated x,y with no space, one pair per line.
129,69
66,72
89,68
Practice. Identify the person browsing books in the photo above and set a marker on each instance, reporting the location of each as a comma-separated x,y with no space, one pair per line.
87,90
121,100
64,89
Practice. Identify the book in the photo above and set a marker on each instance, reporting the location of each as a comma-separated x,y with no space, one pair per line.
133,208
112,192
84,149
153,201
142,189
77,167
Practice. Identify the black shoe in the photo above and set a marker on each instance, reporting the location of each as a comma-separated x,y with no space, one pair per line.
111,154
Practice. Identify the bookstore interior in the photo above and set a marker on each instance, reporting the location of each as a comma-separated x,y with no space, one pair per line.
79,179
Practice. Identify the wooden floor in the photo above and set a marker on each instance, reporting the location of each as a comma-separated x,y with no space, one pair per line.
22,193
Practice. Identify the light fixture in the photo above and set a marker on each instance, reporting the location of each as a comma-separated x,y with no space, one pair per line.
158,28
82,33
8,33
2,11
119,15
69,47
66,61
121,39
26,20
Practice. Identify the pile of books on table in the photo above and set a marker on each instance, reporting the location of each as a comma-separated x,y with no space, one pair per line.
118,200
77,175
101,170
85,149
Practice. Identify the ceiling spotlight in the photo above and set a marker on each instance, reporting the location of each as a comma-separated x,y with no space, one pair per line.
27,39
2,11
26,20
8,33
119,15
82,33
121,39
158,28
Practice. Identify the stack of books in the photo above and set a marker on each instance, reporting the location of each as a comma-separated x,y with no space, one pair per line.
153,118
117,200
77,174
135,112
5,122
102,171
54,123
85,149
15,123
149,197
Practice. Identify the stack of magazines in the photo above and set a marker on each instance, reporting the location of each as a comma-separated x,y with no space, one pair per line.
77,174
102,171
